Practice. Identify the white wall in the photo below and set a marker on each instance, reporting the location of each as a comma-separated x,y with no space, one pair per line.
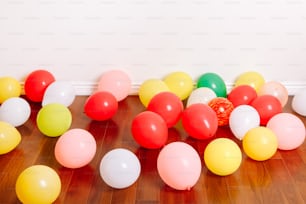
77,40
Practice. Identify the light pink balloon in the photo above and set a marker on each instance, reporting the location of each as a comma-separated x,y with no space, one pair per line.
275,89
289,130
116,82
75,148
179,165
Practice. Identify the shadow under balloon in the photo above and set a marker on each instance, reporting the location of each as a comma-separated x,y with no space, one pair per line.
170,195
105,133
220,189
77,181
35,108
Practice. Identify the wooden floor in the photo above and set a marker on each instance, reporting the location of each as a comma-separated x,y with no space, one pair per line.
281,179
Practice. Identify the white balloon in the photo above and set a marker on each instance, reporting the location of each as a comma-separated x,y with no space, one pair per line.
120,168
15,111
242,119
299,102
59,92
201,95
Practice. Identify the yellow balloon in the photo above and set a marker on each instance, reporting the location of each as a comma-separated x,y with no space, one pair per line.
253,79
9,87
54,119
149,88
222,156
38,184
9,137
260,143
179,83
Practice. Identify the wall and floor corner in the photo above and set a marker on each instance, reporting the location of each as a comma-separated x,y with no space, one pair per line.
78,40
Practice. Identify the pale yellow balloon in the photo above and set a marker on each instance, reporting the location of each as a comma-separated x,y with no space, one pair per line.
251,78
260,143
9,87
38,184
9,137
179,83
222,156
149,88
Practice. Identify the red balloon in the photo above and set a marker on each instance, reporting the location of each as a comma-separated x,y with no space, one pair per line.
149,130
101,105
267,106
36,84
242,95
223,108
200,121
168,105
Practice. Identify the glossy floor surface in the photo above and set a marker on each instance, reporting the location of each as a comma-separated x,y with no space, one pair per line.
281,179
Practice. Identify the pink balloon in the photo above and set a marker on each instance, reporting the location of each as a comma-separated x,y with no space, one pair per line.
275,89
289,130
75,148
179,165
116,82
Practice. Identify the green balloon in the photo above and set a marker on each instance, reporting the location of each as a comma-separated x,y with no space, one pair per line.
214,82
54,119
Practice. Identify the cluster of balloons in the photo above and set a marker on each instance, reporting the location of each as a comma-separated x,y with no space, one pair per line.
54,118
75,148
14,112
252,110
38,183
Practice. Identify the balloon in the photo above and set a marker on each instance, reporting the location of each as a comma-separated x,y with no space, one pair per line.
251,78
54,119
75,148
201,95
275,89
36,84
259,143
120,168
149,88
101,105
200,121
223,108
298,102
59,92
116,82
9,87
15,111
168,106
267,106
242,119
9,137
222,156
38,184
242,95
180,83
289,130
214,82
179,165
149,130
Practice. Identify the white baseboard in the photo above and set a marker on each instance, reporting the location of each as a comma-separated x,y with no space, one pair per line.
87,88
